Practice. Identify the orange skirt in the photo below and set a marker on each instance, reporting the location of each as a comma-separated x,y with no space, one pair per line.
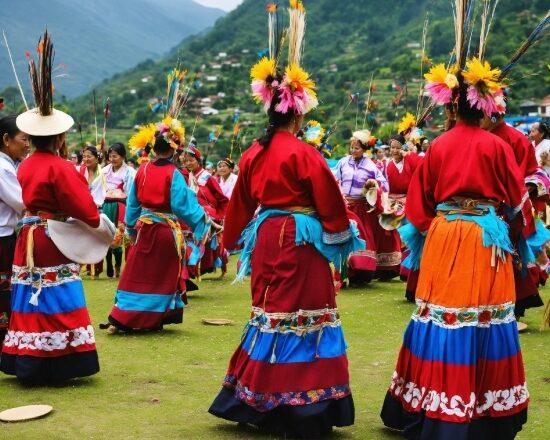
456,269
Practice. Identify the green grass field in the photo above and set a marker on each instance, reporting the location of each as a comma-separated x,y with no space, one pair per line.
160,385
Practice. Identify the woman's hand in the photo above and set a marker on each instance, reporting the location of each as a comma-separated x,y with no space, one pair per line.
371,183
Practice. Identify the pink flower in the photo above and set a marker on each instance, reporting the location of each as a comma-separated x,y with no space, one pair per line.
486,103
440,93
262,92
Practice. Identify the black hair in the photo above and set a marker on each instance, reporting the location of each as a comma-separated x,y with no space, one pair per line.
42,142
92,150
464,109
276,119
544,129
228,162
161,146
9,127
397,137
117,148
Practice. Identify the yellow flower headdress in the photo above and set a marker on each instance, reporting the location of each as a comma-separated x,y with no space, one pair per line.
296,90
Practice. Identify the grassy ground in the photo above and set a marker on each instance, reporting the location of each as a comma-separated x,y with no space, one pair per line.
160,385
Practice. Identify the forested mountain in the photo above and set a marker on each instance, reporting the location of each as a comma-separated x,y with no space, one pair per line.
347,44
95,39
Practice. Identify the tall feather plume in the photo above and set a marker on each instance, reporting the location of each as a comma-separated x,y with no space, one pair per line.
176,94
273,29
486,20
423,58
462,14
41,78
296,31
538,33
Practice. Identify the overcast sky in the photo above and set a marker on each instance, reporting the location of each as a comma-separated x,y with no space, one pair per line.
226,5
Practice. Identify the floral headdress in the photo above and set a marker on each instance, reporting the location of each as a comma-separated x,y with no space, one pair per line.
484,86
314,134
170,128
295,88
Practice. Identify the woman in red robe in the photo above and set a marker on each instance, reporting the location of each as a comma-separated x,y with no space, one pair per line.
214,202
459,373
289,374
399,173
151,292
50,337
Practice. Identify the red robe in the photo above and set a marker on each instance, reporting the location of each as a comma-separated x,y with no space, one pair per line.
288,281
448,170
209,194
527,294
521,146
287,174
399,181
51,187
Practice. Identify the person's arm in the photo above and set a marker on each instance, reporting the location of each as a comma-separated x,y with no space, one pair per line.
327,197
186,207
241,207
221,200
420,207
10,191
73,194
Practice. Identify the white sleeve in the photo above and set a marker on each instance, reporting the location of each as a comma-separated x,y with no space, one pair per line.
10,191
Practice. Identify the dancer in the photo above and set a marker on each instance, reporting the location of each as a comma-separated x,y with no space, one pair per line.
460,371
289,375
151,291
50,337
214,202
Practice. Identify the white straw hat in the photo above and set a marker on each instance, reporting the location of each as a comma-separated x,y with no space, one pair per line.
34,123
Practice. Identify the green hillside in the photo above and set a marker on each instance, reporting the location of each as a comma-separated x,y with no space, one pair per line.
347,43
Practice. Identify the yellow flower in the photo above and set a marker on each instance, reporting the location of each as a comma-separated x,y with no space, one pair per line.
298,78
478,71
451,81
437,74
407,123
145,136
271,7
297,4
263,69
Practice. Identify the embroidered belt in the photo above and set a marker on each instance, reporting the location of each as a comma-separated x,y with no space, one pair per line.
468,205
309,210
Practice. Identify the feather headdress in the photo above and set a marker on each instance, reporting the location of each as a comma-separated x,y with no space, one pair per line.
314,134
408,122
43,120
295,88
484,87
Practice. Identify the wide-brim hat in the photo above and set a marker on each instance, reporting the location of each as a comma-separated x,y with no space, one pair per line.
34,123
362,136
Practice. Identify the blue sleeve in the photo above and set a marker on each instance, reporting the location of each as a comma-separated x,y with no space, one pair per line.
129,179
186,207
133,208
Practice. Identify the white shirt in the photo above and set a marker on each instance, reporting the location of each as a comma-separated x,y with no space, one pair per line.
11,197
228,185
543,145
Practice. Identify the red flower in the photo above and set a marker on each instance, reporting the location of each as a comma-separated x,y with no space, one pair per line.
485,316
50,276
449,318
425,312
